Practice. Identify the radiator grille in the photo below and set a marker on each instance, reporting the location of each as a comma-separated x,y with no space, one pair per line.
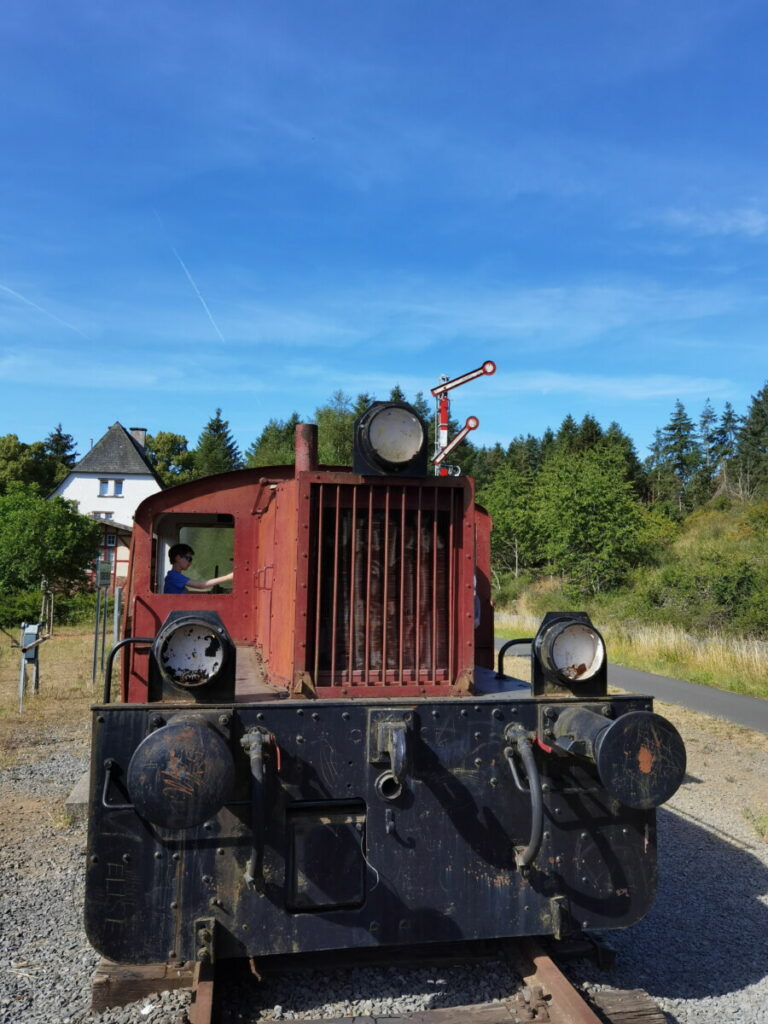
382,584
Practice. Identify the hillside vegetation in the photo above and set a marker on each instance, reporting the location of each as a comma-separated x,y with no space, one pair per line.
677,541
711,577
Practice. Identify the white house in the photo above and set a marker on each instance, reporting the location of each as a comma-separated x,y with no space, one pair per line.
109,483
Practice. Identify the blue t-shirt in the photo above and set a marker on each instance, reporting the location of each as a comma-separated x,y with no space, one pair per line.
175,582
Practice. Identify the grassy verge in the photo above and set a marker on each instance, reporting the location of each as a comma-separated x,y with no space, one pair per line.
60,708
740,666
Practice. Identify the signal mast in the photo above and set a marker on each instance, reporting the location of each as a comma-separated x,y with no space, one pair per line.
444,447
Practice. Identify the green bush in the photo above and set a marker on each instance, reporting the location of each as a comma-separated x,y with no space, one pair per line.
17,608
507,589
752,619
68,609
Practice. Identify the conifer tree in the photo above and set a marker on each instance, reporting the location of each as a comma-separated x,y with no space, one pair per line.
726,436
61,446
589,433
614,436
566,438
675,458
216,450
702,484
708,435
752,447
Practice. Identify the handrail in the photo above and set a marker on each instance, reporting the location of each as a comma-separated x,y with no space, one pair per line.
503,650
111,658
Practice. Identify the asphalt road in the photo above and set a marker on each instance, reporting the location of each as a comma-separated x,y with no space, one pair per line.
751,712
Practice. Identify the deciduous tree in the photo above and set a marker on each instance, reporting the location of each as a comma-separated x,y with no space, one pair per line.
275,445
170,457
43,539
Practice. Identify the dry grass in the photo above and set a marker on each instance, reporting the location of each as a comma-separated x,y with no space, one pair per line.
759,821
60,709
740,666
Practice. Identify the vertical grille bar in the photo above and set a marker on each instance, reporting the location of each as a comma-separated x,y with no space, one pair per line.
435,583
367,649
335,581
385,574
417,644
451,581
318,601
352,587
401,624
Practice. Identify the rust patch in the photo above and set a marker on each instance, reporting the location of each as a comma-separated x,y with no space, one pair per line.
574,671
645,760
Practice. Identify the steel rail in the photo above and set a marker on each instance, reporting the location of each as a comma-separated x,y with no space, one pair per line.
201,1010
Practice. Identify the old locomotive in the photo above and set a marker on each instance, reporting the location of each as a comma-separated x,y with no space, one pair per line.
323,757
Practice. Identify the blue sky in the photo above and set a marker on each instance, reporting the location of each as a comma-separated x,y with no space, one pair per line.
251,205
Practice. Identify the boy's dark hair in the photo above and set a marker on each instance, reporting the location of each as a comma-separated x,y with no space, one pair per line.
179,549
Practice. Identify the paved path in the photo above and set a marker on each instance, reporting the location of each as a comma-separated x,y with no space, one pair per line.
751,712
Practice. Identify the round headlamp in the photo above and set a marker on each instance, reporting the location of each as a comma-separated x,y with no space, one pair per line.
191,652
390,437
573,650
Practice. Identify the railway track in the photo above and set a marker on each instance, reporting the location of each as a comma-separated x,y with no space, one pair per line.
543,994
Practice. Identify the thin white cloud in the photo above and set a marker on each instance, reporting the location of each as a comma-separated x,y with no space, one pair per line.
748,221
634,388
46,312
415,316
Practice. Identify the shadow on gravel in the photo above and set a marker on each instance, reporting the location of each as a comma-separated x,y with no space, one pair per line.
706,934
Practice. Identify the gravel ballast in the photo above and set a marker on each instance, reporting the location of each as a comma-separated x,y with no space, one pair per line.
702,952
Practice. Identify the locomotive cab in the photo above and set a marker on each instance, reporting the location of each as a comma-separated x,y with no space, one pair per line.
320,756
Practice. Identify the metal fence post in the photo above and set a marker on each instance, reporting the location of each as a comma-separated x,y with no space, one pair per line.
22,669
104,628
96,635
116,612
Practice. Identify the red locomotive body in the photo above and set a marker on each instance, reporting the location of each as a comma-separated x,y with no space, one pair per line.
343,585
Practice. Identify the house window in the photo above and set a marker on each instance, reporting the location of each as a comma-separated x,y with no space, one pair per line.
103,488
118,488
111,540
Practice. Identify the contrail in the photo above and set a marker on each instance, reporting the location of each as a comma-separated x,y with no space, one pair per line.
197,292
40,309
183,266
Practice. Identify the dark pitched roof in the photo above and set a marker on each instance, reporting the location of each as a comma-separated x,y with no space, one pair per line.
116,452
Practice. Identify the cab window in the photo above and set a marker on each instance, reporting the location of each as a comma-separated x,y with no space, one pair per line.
210,536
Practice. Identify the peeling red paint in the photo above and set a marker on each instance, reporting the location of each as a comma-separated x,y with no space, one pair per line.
645,760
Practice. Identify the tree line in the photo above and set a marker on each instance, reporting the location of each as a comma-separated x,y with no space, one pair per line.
577,502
